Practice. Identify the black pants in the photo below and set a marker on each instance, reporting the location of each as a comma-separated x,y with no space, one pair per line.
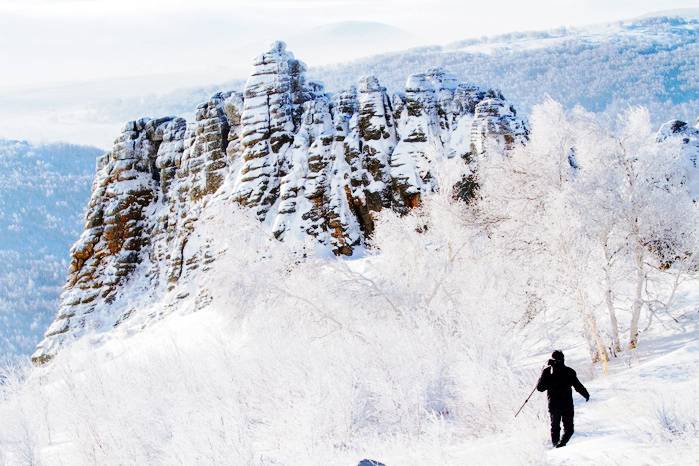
567,417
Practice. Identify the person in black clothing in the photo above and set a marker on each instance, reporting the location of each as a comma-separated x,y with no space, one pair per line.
557,380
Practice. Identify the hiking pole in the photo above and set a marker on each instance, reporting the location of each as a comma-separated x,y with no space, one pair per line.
530,395
525,402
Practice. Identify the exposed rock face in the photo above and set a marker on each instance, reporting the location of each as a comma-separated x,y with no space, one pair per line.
273,95
370,178
305,176
308,163
424,125
201,162
495,122
117,228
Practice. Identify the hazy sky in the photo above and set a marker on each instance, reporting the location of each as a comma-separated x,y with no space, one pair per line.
53,41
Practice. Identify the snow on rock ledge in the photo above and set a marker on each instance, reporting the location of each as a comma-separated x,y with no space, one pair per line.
309,163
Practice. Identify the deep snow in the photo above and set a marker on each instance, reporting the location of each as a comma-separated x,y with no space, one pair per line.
644,412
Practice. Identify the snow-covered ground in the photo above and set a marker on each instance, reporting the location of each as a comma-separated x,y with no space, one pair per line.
169,392
644,411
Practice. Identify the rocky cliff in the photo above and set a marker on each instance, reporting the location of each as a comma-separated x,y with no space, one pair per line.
309,163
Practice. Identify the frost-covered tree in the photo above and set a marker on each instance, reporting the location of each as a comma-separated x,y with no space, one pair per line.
590,214
641,213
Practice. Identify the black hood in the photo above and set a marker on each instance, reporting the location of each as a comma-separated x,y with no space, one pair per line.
558,356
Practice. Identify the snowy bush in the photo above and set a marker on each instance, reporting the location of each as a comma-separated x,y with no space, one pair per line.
295,361
677,415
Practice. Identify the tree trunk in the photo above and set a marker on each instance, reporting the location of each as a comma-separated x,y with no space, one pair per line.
613,323
609,299
598,350
638,294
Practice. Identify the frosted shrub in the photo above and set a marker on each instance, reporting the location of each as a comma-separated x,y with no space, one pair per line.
294,359
677,415
20,438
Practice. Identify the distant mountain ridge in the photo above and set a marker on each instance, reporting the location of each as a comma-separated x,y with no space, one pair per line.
605,68
681,12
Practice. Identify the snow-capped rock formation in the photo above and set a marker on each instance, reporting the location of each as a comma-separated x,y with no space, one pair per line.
116,227
307,162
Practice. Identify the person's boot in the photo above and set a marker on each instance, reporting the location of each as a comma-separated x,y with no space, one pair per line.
555,437
561,444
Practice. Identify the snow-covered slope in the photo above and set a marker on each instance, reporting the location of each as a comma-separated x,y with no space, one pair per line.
643,411
43,190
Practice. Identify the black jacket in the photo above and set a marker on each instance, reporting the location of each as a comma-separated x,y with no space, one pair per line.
557,385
